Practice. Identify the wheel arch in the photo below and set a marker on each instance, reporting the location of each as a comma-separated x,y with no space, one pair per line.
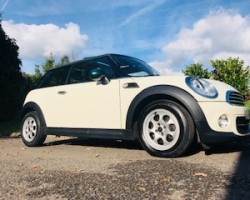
167,92
32,106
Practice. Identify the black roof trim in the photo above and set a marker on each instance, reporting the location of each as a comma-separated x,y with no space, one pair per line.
107,54
88,58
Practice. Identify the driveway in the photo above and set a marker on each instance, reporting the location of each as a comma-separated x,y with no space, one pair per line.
67,168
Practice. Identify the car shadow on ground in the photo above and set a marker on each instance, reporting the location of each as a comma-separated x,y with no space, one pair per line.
122,144
228,148
239,187
136,145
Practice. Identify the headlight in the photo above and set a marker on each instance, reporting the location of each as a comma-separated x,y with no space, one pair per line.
202,87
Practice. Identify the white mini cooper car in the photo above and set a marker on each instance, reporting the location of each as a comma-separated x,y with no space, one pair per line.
120,97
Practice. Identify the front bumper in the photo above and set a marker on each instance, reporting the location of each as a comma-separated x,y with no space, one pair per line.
235,114
211,137
210,132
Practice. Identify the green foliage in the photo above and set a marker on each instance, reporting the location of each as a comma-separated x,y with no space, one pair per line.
38,73
196,70
11,126
232,72
247,103
11,81
49,63
36,77
64,60
32,80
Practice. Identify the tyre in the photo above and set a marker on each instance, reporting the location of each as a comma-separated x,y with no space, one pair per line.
166,129
32,130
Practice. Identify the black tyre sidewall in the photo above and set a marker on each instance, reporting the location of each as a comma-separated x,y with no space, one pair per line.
40,136
186,135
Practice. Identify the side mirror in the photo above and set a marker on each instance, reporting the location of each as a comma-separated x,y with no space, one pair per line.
99,76
96,74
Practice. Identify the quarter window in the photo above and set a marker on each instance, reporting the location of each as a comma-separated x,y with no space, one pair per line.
55,77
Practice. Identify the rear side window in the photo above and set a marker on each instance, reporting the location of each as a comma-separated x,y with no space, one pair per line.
55,77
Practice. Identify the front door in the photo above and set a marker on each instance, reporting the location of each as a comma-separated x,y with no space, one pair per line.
84,103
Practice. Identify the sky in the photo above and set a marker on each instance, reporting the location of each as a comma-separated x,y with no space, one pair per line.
168,34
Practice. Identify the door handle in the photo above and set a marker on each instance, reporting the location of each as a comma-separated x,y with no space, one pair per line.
61,92
130,85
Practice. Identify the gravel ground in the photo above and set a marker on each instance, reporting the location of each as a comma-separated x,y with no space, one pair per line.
96,169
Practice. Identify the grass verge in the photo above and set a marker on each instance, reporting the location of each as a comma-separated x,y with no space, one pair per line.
9,127
247,103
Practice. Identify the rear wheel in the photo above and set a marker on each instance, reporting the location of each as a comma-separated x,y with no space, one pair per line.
166,129
32,130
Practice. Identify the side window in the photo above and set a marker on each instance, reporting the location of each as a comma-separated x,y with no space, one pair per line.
103,64
55,77
79,72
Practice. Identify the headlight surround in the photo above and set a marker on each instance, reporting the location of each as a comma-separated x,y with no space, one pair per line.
202,87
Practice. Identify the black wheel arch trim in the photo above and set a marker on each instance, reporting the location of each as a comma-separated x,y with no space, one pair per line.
175,94
32,106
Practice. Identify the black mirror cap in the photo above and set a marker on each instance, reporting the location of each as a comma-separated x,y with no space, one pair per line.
104,80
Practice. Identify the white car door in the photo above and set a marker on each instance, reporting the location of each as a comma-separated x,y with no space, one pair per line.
84,103
90,105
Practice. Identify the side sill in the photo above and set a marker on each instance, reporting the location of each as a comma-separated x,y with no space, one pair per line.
118,134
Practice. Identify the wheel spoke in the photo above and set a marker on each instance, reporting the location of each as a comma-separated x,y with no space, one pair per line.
162,121
161,129
29,129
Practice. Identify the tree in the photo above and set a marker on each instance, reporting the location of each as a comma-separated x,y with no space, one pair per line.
196,70
64,60
49,63
33,79
11,80
232,72
38,73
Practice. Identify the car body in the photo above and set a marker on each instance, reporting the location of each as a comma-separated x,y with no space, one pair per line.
120,97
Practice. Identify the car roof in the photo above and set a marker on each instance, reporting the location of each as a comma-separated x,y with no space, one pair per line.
109,54
86,59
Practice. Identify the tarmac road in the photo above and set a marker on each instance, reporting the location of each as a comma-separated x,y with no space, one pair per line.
99,169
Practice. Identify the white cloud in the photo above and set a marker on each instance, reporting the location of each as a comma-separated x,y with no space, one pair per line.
161,68
219,35
41,40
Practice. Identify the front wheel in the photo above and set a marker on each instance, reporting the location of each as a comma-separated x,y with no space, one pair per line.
32,130
166,129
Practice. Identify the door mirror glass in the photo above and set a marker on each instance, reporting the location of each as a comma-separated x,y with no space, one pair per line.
96,74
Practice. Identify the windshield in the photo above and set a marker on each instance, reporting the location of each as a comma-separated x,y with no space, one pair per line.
133,67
